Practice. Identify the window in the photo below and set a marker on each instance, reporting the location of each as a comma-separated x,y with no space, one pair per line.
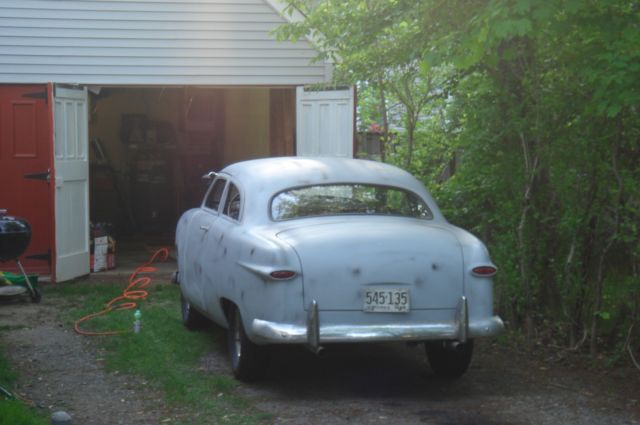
232,204
347,199
215,195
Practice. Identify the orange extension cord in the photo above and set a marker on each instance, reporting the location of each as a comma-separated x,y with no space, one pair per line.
127,301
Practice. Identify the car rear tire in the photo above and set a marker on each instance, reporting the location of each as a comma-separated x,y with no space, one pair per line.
248,360
191,318
449,361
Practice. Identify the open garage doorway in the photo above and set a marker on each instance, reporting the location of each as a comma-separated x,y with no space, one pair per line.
129,159
149,147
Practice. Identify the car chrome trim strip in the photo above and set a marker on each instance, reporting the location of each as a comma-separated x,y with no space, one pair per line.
462,319
313,328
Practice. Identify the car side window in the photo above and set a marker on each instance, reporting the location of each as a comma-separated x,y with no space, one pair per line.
233,203
215,195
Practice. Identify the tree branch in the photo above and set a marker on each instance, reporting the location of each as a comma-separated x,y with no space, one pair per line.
629,350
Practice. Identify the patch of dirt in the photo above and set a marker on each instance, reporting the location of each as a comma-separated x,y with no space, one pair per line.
60,370
364,384
392,383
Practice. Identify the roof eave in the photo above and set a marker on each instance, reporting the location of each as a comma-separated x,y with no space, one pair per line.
293,16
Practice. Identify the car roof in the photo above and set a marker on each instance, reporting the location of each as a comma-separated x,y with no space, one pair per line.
260,179
277,174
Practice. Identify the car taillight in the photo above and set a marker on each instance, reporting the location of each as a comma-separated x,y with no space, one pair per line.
282,274
484,271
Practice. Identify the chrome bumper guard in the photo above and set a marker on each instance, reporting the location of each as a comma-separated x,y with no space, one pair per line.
313,334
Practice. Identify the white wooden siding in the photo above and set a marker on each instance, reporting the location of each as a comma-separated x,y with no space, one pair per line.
158,42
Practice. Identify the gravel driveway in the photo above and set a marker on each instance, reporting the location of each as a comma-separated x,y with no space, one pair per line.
371,384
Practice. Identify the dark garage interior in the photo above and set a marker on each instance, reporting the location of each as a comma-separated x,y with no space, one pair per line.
149,147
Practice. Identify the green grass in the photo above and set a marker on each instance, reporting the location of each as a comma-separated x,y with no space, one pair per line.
14,412
164,354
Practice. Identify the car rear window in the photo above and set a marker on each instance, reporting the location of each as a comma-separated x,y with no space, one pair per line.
347,199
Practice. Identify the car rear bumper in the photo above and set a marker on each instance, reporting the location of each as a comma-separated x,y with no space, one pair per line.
315,333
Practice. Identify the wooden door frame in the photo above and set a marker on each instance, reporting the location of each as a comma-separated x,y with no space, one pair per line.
52,179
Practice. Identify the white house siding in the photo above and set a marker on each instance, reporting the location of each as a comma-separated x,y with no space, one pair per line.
150,42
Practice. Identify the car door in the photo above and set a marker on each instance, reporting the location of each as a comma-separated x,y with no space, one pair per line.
198,256
223,248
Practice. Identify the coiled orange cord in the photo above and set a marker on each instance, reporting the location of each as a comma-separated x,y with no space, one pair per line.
127,301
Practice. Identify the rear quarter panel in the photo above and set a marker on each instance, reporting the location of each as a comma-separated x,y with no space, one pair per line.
478,290
256,295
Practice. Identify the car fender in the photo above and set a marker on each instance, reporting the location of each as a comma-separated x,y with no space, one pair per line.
246,282
478,290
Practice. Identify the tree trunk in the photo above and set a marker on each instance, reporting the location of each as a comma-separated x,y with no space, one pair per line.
617,205
593,341
411,131
531,169
566,281
385,120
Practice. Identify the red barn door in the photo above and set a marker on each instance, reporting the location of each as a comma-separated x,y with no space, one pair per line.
25,163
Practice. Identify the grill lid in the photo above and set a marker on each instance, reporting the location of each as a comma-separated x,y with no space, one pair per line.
15,236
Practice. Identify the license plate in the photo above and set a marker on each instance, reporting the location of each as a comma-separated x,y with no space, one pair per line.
386,300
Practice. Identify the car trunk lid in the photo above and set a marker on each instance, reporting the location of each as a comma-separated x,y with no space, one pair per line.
341,260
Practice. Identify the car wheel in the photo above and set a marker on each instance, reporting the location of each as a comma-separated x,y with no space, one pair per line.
248,360
449,360
191,318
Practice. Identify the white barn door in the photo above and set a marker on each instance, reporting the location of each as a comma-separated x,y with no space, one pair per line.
324,122
71,165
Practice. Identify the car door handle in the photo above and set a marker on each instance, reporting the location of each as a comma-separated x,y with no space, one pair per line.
204,228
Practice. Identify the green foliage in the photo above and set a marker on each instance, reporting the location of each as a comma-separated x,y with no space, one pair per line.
538,102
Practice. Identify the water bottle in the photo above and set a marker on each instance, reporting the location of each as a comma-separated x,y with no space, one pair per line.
137,316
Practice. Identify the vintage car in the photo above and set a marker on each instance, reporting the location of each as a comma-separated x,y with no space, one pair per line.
321,251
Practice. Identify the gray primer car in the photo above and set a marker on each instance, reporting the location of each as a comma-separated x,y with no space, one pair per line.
319,251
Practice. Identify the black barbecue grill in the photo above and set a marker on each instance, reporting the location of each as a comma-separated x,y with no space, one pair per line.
15,236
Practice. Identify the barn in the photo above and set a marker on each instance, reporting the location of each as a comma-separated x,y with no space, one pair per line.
111,110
